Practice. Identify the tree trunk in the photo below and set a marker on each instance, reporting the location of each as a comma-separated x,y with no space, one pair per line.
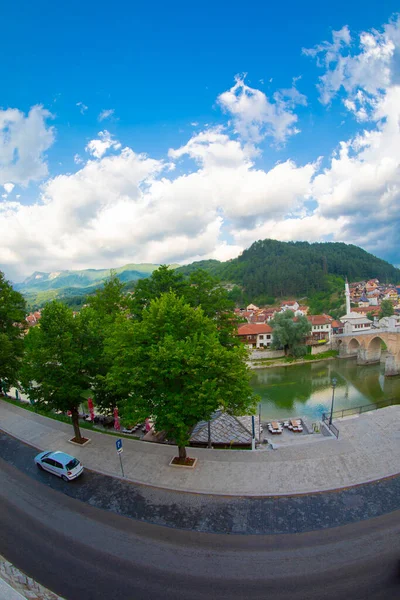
75,424
182,452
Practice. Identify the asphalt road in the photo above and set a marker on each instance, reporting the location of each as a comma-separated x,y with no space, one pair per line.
82,552
215,514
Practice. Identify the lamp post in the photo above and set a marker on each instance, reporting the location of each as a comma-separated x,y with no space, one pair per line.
334,382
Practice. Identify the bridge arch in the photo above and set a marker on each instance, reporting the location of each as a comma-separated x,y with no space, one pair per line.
367,346
353,346
371,350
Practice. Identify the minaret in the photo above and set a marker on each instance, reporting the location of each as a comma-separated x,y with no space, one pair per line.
347,293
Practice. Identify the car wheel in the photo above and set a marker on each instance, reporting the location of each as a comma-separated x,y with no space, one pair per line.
64,478
39,466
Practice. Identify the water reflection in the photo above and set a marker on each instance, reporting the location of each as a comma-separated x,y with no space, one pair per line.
306,389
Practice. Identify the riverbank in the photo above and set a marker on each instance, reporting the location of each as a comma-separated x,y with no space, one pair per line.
284,362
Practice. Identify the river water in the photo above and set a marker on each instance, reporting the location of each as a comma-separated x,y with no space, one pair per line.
306,390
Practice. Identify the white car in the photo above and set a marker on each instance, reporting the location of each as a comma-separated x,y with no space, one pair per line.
59,463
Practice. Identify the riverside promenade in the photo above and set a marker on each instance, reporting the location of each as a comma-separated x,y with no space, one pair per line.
368,449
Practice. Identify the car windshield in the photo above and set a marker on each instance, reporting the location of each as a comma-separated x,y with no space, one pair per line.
72,464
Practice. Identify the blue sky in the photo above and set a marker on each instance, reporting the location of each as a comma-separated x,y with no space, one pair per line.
124,136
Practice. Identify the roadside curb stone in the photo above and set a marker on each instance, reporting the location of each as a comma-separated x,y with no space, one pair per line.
24,586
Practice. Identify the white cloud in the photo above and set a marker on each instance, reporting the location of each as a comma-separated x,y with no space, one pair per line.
255,116
82,107
9,187
129,207
122,207
106,114
362,74
362,182
99,147
23,142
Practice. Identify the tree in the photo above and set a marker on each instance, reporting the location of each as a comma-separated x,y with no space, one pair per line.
162,280
387,309
205,291
55,368
101,311
200,289
12,320
290,332
172,366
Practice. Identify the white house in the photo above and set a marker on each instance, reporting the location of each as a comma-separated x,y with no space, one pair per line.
290,305
255,335
321,328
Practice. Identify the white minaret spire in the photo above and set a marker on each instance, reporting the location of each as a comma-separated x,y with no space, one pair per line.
347,293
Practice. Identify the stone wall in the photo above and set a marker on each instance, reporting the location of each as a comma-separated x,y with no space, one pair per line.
258,354
320,348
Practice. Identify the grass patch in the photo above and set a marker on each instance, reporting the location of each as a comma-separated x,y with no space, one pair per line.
327,354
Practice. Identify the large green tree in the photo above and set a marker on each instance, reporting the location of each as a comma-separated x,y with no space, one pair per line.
100,313
162,280
172,366
205,290
199,289
58,353
12,322
387,309
290,332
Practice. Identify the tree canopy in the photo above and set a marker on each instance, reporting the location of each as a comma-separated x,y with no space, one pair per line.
171,365
387,309
100,314
12,321
199,289
290,332
277,269
55,370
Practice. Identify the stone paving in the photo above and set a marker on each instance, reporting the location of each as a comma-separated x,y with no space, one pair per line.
206,513
12,579
368,449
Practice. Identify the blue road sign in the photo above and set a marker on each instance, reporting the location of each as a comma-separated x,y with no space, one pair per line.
118,443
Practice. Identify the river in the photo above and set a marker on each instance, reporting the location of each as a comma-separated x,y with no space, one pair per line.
306,389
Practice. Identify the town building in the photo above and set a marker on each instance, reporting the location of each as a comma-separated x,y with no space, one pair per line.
255,335
353,322
321,329
289,305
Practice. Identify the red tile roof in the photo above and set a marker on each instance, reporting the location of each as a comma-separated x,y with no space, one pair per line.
318,319
254,328
337,324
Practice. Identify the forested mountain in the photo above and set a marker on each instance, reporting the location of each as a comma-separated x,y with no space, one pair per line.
267,270
280,269
73,286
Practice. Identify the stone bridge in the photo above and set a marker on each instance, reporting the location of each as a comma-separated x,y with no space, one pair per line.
367,345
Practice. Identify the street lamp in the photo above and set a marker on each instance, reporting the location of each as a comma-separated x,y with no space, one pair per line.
334,382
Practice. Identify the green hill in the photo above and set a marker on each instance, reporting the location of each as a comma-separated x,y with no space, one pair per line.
267,270
278,269
74,286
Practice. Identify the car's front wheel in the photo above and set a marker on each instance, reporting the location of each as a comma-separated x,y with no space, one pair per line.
39,466
64,478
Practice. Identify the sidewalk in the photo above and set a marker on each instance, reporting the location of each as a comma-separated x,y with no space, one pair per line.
368,449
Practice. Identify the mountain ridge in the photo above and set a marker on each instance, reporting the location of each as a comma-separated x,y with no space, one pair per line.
43,281
267,269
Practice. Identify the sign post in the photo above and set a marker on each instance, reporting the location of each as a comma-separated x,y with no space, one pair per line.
120,450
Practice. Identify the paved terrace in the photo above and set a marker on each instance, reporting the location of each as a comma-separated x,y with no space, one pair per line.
368,449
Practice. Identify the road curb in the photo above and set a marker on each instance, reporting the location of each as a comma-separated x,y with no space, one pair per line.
218,494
